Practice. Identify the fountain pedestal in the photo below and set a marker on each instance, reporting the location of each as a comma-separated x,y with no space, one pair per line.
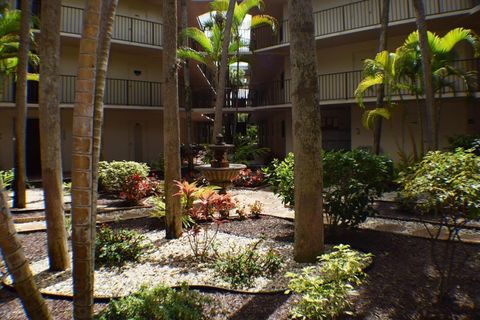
220,172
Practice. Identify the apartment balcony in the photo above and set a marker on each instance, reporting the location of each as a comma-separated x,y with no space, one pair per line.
356,16
118,92
338,88
128,29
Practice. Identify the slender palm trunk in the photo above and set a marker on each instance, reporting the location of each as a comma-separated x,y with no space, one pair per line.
17,264
307,134
105,37
382,45
50,136
82,163
430,132
20,194
187,89
171,124
222,76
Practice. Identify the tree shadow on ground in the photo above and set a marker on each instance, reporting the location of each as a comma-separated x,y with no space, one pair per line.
403,284
260,307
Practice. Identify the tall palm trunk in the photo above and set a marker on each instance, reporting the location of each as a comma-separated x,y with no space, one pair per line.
430,131
171,124
82,164
382,45
19,200
17,264
105,37
49,114
307,134
222,76
187,89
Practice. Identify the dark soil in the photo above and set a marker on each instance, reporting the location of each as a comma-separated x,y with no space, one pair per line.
402,282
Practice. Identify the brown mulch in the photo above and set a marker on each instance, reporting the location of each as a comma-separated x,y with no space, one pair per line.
401,282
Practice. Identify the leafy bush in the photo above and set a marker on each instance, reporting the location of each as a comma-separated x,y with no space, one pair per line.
447,184
246,147
256,209
159,211
241,267
324,289
116,247
7,177
351,180
162,303
112,176
280,176
136,188
466,142
249,179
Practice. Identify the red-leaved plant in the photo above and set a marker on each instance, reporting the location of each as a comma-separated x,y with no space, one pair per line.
249,179
136,188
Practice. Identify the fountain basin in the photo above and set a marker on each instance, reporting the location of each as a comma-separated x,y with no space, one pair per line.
221,177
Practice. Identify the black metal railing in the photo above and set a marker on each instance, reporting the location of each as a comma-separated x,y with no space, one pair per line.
360,14
121,92
341,86
124,28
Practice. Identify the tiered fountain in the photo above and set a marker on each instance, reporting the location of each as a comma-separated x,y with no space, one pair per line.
220,172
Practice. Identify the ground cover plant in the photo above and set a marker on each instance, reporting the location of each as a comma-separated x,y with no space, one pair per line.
352,180
113,248
240,268
162,303
325,289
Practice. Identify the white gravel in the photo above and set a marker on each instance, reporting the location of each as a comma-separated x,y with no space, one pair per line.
171,263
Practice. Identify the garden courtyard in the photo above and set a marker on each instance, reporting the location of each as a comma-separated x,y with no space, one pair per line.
401,283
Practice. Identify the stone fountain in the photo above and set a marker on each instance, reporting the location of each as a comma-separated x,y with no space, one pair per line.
220,172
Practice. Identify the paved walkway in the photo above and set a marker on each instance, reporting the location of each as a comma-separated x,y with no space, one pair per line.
271,203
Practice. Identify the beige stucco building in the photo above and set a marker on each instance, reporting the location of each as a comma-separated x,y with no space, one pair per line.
346,32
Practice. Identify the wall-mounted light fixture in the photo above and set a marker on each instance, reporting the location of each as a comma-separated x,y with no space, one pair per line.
137,72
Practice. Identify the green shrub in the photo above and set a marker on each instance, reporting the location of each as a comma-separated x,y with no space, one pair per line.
159,303
447,183
280,176
324,289
112,176
351,181
466,142
116,247
240,268
246,146
7,177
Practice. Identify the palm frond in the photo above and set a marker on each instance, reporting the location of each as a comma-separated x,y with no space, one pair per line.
185,53
264,20
242,9
366,84
453,37
369,116
200,37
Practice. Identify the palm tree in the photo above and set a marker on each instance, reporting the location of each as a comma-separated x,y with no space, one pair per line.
187,88
50,140
223,68
20,182
210,39
171,125
105,37
82,164
307,135
382,46
17,264
442,64
429,123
